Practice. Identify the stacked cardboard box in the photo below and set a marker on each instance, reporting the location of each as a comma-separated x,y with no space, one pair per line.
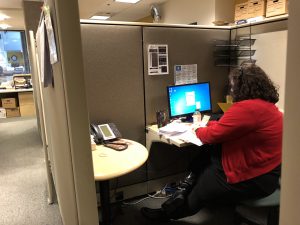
241,10
26,104
256,8
13,112
9,103
245,9
276,7
10,106
2,112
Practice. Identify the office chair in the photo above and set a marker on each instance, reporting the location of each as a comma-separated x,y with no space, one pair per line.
269,203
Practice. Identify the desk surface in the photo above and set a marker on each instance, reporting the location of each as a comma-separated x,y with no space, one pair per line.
13,90
153,135
109,163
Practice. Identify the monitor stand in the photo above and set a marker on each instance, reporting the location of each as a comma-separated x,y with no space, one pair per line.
187,119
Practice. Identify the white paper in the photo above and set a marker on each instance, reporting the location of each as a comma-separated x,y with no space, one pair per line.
182,131
185,74
190,136
51,38
158,62
173,128
204,121
40,40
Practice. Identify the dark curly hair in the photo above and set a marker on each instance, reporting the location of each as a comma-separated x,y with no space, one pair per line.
251,82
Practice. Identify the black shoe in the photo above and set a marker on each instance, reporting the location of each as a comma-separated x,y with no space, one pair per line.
155,214
173,204
178,199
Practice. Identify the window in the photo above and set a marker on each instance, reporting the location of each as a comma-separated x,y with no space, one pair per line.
13,54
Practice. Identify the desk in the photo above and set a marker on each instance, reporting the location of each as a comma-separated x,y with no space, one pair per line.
24,98
153,135
109,163
13,90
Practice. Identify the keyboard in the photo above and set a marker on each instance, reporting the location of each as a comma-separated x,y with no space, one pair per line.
216,116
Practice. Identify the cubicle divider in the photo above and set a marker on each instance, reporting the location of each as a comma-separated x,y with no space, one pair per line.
186,46
114,83
120,90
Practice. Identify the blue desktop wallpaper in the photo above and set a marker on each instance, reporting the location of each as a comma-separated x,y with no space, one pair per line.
185,99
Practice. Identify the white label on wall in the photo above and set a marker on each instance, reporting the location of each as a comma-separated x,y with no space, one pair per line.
185,74
158,63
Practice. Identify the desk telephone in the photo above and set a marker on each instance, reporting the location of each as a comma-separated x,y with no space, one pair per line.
108,135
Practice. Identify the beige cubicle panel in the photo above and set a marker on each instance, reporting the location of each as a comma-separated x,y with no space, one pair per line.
113,65
290,182
67,121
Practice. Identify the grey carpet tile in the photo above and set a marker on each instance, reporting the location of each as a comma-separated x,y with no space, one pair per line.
23,185
130,215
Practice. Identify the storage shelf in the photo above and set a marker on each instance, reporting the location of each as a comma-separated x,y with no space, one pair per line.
235,53
232,53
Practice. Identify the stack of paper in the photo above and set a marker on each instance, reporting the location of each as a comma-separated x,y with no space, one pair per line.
173,128
190,137
181,131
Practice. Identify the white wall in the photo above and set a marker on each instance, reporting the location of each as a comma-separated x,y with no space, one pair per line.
188,11
204,12
271,56
224,10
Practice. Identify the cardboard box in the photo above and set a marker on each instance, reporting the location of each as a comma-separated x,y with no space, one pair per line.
14,112
9,103
25,98
241,10
27,110
256,8
26,103
2,113
276,7
224,106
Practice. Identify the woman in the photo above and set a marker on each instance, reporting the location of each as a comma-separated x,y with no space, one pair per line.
245,157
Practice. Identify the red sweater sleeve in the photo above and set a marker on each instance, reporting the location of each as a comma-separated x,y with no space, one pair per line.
235,122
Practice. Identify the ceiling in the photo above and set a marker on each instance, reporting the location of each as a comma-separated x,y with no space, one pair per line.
119,11
87,8
13,9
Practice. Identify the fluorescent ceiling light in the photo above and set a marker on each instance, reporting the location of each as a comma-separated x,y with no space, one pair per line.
128,1
99,17
3,17
4,26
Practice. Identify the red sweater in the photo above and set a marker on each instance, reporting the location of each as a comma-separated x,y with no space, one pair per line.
251,136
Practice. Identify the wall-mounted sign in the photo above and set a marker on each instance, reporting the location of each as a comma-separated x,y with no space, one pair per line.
158,63
185,74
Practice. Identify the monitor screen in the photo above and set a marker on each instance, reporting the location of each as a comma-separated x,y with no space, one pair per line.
185,99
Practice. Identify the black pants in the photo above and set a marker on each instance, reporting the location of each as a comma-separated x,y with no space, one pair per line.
211,187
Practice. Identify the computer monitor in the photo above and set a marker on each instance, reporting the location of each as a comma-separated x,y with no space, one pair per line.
184,99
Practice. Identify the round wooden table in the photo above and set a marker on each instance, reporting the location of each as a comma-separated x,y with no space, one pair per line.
109,163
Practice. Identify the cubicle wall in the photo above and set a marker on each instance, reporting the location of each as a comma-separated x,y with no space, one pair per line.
119,89
114,77
186,46
114,83
66,117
